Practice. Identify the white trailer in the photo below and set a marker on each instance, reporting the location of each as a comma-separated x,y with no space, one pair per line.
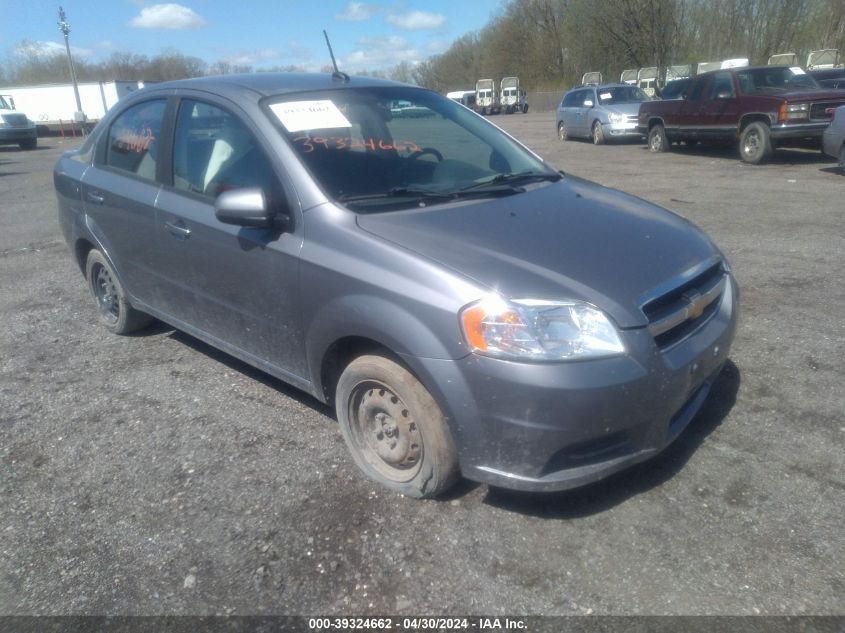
825,58
53,105
647,80
629,76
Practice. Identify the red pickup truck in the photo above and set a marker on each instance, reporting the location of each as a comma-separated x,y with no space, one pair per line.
762,108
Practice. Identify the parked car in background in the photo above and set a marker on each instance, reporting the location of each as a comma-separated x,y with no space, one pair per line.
600,113
833,139
758,108
15,127
466,307
829,77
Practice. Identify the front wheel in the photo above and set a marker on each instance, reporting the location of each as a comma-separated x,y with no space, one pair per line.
30,143
562,132
394,429
755,143
598,134
112,304
657,141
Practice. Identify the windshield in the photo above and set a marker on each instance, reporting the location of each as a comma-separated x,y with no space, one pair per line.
377,148
673,89
774,79
621,94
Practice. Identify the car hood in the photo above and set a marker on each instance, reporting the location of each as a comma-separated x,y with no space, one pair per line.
624,108
572,239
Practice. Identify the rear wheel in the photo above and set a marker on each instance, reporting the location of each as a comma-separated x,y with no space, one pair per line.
842,159
394,429
113,306
755,143
598,134
30,143
657,141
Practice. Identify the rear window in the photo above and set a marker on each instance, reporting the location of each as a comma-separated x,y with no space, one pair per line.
756,80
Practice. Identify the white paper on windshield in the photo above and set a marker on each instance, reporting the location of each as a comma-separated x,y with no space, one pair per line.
796,70
309,115
605,95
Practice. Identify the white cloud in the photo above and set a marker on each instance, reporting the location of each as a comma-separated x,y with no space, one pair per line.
378,53
49,49
356,12
416,21
167,16
252,57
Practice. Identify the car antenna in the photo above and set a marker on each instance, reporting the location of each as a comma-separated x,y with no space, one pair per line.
337,75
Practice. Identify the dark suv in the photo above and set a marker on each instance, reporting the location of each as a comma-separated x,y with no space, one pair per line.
760,108
466,307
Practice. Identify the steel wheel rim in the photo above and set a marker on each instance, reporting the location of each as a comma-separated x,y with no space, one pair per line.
596,133
385,432
105,292
752,143
561,132
656,140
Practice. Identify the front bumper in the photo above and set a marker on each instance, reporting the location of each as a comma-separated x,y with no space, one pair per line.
17,134
832,142
555,426
625,129
798,130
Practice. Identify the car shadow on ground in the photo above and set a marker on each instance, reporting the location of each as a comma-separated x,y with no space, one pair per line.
159,327
620,487
836,170
781,156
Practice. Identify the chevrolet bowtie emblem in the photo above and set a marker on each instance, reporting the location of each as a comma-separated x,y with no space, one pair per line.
695,304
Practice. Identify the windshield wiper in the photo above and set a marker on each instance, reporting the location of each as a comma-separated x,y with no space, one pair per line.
506,181
397,192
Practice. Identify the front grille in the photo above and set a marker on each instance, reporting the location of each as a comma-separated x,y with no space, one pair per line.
631,118
678,313
15,120
823,110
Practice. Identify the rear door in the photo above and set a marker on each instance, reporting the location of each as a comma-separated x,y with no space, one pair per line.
119,193
238,285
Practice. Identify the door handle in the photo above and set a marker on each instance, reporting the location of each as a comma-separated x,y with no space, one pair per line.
178,230
96,197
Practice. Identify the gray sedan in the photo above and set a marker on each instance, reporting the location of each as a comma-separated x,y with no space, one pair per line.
833,139
466,308
600,113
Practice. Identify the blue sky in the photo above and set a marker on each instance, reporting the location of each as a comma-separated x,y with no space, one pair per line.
260,33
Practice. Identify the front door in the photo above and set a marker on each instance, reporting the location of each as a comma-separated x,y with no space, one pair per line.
240,285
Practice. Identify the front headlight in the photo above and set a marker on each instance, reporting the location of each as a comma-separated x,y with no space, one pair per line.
797,110
532,329
616,117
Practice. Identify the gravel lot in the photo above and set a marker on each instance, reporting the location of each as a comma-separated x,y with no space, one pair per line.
154,475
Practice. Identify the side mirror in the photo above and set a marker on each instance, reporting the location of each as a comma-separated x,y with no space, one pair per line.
588,103
247,207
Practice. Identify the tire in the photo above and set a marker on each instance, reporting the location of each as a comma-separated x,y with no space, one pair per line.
657,141
755,143
30,143
842,159
115,312
597,134
524,108
562,133
394,429
483,111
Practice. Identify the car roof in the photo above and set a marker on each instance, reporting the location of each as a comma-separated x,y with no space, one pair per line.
267,84
598,86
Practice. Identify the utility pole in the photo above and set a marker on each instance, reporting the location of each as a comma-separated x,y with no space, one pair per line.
64,27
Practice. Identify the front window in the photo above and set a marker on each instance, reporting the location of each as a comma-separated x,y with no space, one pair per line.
387,147
774,79
621,94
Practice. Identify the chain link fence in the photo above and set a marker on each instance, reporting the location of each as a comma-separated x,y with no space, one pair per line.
544,101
